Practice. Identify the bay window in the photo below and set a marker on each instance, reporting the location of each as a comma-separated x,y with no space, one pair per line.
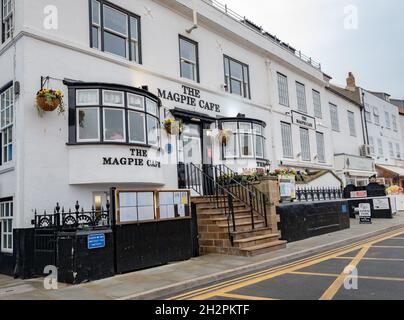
114,30
114,114
247,140
7,18
6,226
6,124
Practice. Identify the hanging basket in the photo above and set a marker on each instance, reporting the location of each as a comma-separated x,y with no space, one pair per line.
48,105
173,127
224,136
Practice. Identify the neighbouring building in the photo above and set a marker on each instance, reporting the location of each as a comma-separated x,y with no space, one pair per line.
385,135
353,162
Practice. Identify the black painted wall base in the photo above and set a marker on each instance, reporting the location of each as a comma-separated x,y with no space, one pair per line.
305,220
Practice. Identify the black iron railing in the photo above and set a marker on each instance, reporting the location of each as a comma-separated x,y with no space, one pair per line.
244,191
75,219
206,186
318,194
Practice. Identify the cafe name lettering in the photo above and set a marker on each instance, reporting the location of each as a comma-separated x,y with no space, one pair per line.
138,157
303,120
190,97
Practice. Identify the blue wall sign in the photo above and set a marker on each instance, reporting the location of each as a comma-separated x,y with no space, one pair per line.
96,241
169,148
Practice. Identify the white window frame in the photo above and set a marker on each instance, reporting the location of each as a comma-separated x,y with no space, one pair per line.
305,144
318,112
283,90
320,147
334,117
287,141
376,116
372,146
301,97
7,128
351,124
157,144
96,25
96,103
120,105
78,125
391,150
244,82
249,133
123,140
394,121
398,151
134,107
6,219
380,149
387,118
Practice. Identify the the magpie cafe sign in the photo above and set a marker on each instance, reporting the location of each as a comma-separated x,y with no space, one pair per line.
137,157
189,96
303,120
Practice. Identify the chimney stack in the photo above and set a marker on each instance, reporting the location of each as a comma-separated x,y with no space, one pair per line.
350,82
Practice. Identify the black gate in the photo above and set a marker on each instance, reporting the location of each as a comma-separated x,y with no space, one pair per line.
48,227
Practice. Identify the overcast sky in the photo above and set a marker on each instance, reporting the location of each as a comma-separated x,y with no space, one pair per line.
373,51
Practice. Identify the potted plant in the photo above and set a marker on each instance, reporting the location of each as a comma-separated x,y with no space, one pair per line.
173,127
48,100
224,136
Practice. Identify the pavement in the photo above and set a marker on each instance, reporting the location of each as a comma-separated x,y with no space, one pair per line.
175,278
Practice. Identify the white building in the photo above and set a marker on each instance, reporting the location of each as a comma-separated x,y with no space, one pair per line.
124,67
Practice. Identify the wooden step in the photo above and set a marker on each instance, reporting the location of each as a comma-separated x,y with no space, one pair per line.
262,248
256,240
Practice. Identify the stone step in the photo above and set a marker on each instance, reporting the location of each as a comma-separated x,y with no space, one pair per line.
221,212
239,218
211,206
262,248
256,240
242,226
238,235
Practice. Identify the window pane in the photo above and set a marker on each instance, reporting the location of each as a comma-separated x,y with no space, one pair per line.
88,124
334,117
246,145
236,70
134,28
135,101
114,44
113,98
245,127
351,122
283,90
320,146
301,97
137,127
115,20
257,129
287,145
152,133
95,12
305,144
231,149
134,51
151,107
235,87
188,50
87,97
95,38
317,104
114,128
188,70
259,147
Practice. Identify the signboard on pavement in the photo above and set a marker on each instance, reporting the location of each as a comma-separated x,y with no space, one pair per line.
359,194
365,213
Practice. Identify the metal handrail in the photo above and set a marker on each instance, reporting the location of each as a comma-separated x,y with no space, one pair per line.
199,181
246,193
247,23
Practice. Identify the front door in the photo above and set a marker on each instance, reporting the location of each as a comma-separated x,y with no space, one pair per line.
190,152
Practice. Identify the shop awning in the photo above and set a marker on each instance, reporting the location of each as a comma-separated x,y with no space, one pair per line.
398,171
364,174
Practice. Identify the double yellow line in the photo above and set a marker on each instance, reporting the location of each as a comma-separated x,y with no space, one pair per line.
227,286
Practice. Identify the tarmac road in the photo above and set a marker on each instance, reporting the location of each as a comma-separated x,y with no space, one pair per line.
375,271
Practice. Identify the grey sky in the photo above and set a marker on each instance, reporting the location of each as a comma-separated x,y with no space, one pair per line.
374,51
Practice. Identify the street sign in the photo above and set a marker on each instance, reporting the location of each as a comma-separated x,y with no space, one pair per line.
365,213
96,241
